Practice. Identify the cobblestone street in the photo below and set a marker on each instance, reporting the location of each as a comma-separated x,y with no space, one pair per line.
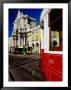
25,68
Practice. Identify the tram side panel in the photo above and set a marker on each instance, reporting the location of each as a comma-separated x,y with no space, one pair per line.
51,63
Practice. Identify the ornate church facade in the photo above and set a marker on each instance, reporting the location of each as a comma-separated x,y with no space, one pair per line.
25,33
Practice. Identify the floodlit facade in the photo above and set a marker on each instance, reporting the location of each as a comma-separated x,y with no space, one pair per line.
26,33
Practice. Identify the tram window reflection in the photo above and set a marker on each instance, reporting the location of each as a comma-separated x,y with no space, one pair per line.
55,28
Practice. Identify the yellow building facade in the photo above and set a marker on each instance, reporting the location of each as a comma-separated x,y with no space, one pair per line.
34,39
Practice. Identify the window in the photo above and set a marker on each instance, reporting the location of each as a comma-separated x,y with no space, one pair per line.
37,45
54,39
55,24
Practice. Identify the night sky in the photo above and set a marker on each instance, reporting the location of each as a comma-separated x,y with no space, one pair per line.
35,13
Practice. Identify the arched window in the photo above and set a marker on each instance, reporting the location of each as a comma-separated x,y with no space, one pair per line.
33,45
37,45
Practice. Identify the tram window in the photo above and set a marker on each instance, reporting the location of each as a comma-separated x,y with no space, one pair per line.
55,24
56,41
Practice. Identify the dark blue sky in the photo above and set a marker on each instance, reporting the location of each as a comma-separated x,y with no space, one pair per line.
35,13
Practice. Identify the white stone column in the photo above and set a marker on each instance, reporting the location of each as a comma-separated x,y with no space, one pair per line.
15,41
24,40
18,40
12,42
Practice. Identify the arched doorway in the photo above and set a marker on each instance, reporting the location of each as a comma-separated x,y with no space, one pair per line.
37,47
32,47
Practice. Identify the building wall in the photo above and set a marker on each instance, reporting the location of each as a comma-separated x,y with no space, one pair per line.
36,39
32,36
10,44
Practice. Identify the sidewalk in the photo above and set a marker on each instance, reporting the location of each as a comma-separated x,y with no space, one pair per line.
22,55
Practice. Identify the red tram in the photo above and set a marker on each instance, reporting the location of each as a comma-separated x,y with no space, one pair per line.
51,44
